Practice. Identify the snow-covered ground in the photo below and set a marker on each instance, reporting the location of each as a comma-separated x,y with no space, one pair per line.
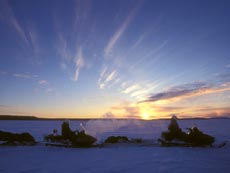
116,159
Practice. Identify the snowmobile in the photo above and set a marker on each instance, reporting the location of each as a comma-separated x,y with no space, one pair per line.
8,138
70,138
176,137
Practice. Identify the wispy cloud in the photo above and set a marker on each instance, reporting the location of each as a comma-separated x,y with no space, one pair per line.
139,94
186,91
132,111
138,42
34,40
63,51
106,78
123,84
26,76
102,74
3,72
116,36
45,86
49,90
137,90
20,75
79,63
72,60
152,55
43,82
62,48
131,88
127,110
157,105
42,85
8,16
111,76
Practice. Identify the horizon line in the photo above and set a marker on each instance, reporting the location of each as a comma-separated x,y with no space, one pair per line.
29,117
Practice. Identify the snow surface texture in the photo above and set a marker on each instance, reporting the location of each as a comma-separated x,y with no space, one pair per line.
116,159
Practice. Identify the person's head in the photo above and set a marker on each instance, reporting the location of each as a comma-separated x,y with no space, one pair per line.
174,117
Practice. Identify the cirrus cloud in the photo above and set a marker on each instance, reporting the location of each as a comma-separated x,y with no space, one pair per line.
7,15
187,91
43,82
79,63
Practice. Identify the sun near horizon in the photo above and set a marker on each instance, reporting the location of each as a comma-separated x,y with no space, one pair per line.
123,59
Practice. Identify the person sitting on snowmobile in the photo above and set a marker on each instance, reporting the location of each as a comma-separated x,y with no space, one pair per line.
67,133
174,132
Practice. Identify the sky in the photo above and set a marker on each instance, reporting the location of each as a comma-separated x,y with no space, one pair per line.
144,59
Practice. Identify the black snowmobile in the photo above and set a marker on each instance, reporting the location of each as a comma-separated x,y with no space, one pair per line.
70,138
176,137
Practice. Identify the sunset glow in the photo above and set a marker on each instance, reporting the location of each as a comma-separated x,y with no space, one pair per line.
145,116
129,59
